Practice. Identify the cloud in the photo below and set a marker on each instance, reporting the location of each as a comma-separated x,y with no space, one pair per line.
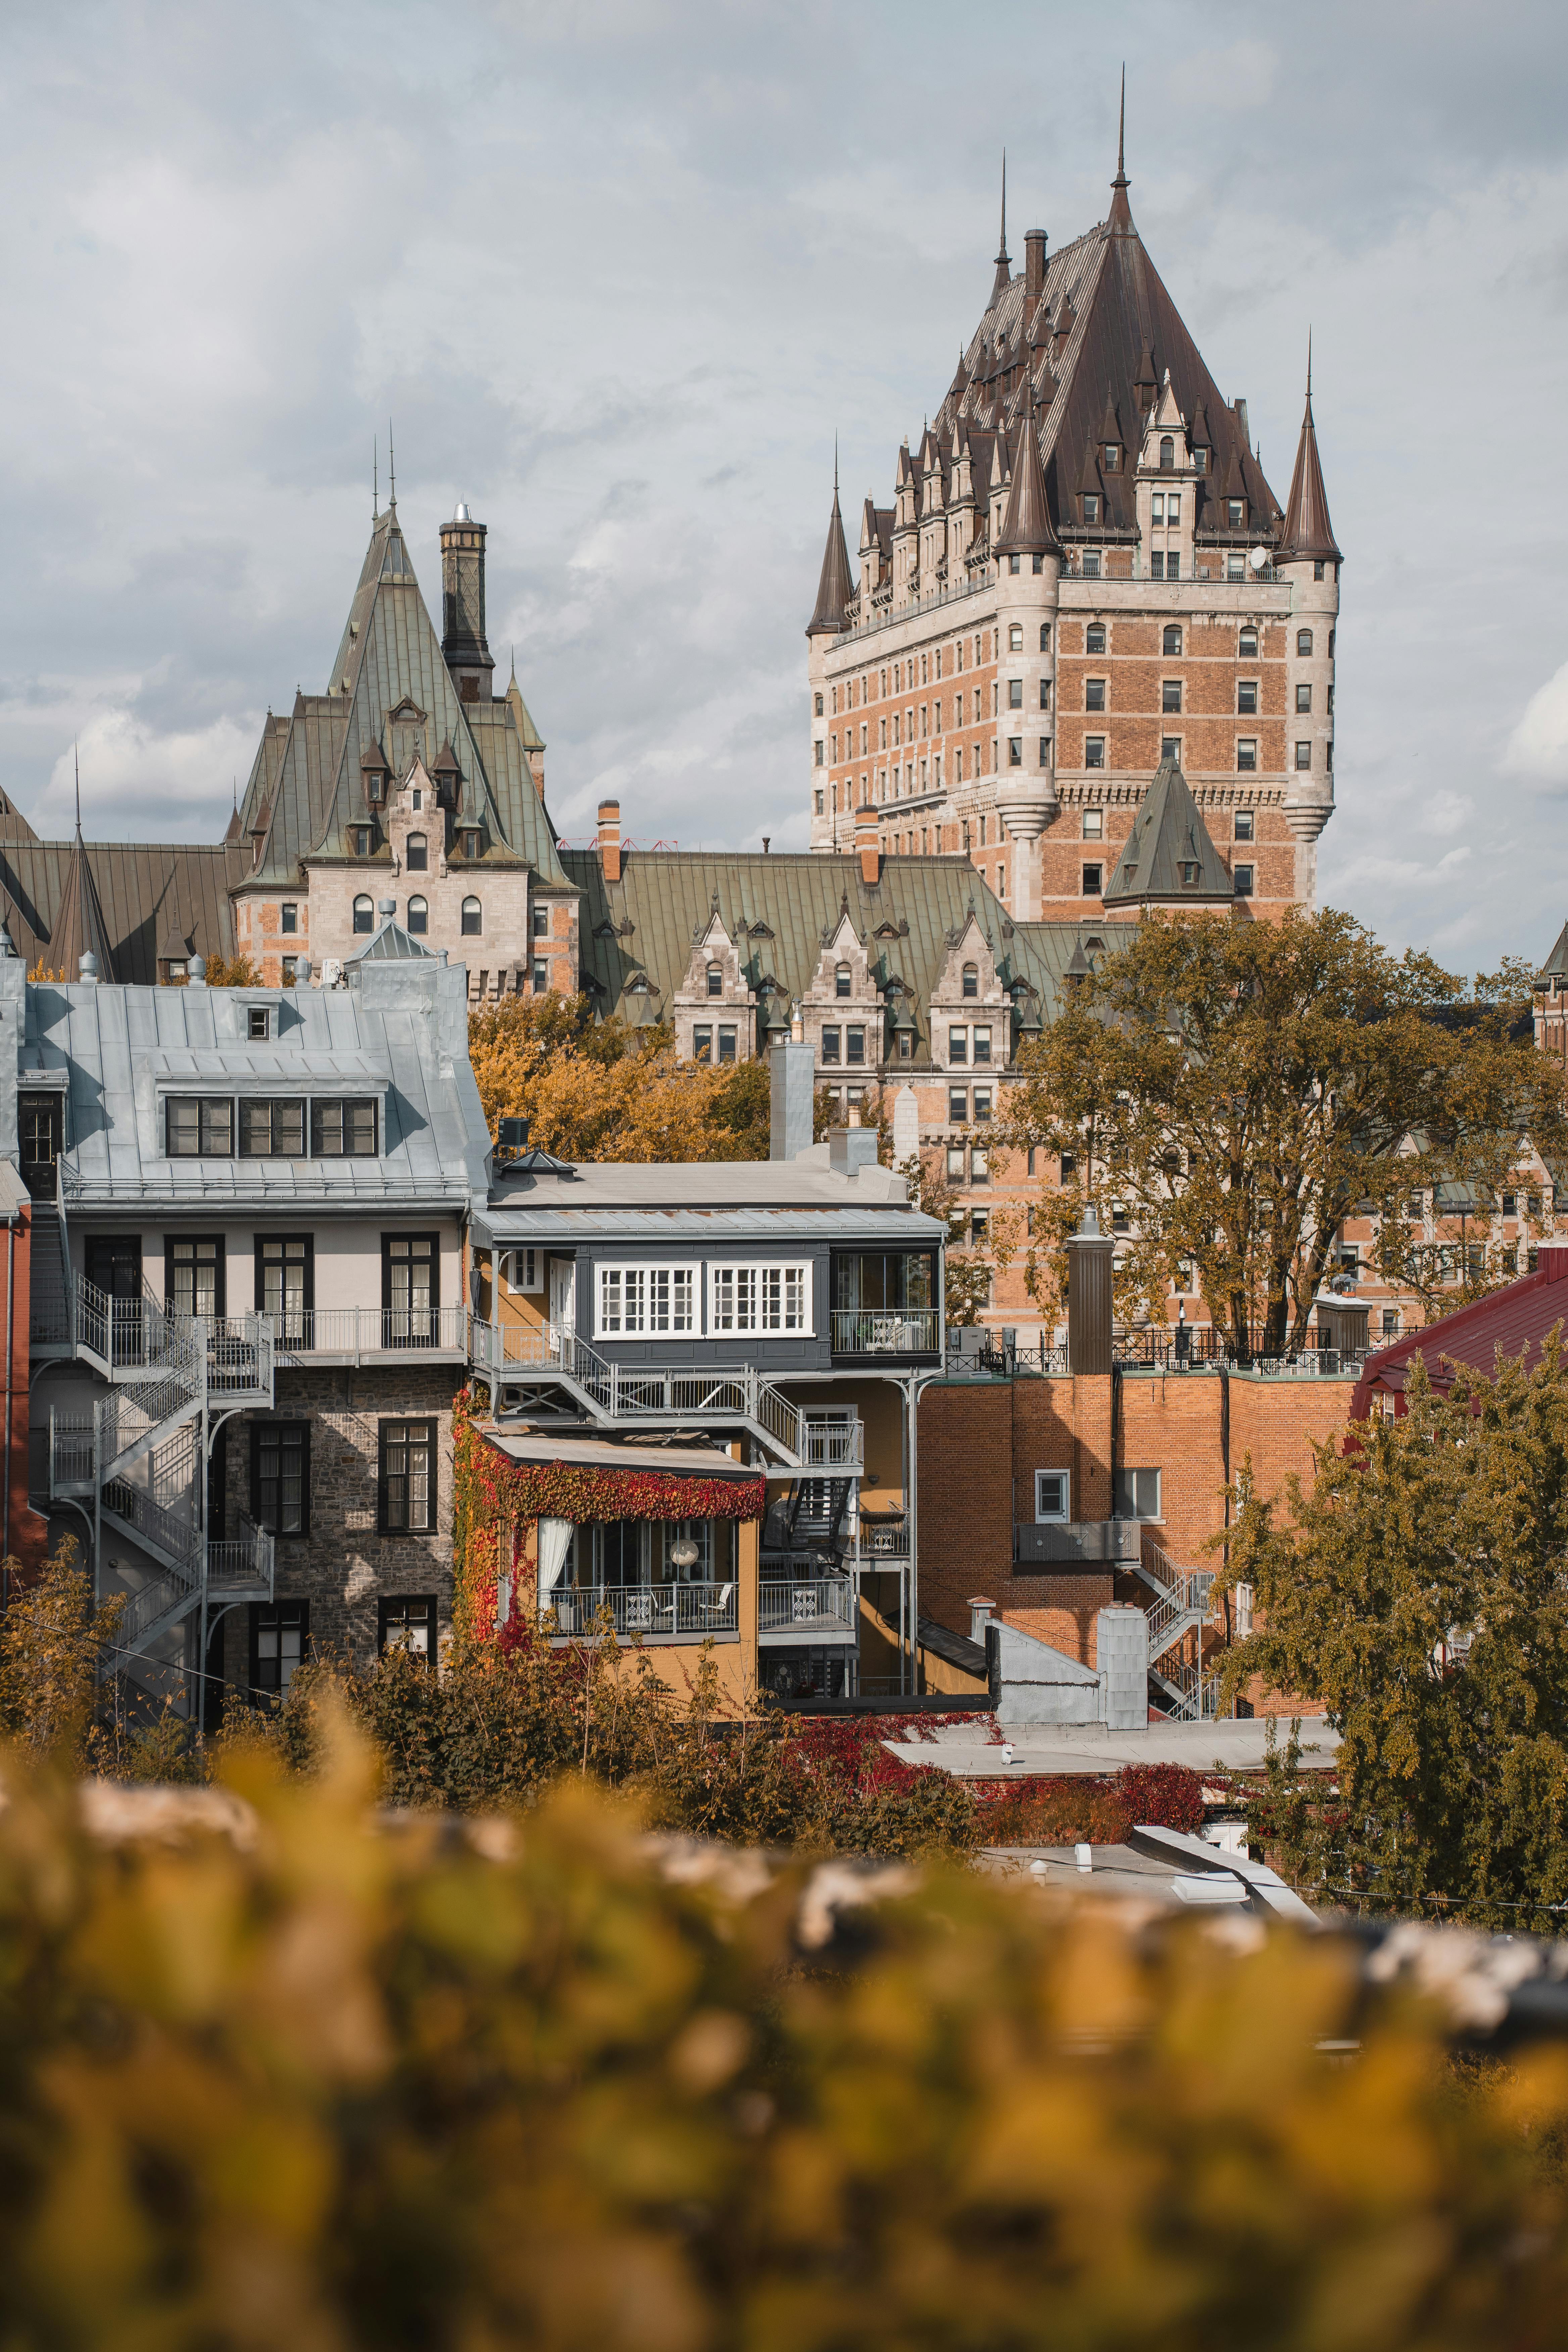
1538,748
134,776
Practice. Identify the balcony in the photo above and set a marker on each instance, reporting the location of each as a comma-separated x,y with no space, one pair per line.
1077,1543
894,1332
820,1609
832,1444
349,1334
643,1612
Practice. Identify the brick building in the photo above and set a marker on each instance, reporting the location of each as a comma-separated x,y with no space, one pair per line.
1084,574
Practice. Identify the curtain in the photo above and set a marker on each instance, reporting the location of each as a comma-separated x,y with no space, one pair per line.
555,1543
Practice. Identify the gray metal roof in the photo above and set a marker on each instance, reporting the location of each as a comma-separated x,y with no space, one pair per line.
401,1032
756,1200
1169,840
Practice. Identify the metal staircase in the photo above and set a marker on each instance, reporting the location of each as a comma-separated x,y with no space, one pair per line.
651,1396
138,1464
1180,1610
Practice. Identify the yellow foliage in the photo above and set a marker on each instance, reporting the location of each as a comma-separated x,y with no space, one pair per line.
609,1092
347,2083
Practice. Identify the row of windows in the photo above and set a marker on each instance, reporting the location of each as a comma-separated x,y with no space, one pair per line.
416,917
1094,824
1095,642
899,677
204,1127
195,1280
1246,752
1096,692
1136,1496
632,1302
470,845
281,1635
407,1459
1165,565
1242,879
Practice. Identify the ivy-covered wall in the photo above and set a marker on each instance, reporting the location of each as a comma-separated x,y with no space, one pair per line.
492,1493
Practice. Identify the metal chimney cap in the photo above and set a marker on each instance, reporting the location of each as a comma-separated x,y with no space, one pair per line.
88,967
1089,1225
386,906
302,967
460,511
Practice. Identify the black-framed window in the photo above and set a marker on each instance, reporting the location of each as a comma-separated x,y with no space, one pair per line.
280,1477
406,1620
364,912
345,1128
199,1125
406,1484
286,1284
417,853
41,1124
279,1642
273,1128
258,1023
410,1287
194,1273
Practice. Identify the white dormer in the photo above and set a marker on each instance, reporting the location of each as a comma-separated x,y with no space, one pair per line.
1166,490
842,1007
970,1012
713,1010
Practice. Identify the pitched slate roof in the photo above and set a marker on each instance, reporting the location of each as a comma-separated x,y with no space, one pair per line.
1027,528
837,584
637,934
14,825
390,685
146,891
80,928
1114,329
1168,854
1556,964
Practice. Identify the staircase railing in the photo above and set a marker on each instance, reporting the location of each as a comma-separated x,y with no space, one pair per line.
621,1392
1180,1607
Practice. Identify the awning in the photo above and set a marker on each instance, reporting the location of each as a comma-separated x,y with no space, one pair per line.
605,1453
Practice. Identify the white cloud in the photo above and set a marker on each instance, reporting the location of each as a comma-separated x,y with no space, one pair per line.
132,770
1538,748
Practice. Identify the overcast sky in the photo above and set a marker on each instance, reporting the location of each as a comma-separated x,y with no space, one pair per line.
619,272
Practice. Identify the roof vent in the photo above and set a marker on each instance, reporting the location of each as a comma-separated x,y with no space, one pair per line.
386,906
461,512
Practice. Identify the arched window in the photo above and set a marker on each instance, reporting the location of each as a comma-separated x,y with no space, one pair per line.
1167,453
1247,646
842,981
1172,639
971,980
715,980
418,917
1015,639
472,920
1094,637
1045,636
1304,644
418,854
364,914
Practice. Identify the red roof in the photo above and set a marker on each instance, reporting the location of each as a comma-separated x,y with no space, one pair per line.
1512,1321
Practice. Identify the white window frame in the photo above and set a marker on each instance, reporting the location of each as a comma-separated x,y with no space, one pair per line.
1045,1518
764,1298
522,1271
648,1299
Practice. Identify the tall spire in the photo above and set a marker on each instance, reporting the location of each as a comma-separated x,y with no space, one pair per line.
376,481
391,470
835,586
1027,528
75,758
78,926
1306,533
1121,215
1004,267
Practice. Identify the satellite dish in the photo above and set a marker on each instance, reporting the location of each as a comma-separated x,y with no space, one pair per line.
1258,558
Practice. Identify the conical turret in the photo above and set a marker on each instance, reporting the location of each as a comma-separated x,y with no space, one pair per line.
78,926
1308,533
1027,528
835,586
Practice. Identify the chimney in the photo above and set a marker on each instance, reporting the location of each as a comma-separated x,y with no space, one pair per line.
792,1074
980,1612
850,1149
468,656
1089,1297
610,839
866,846
1033,265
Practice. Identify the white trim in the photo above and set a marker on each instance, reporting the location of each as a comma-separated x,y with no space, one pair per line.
1044,1517
522,1270
770,1296
644,1299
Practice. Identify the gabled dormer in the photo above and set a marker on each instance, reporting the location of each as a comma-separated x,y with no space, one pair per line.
970,1010
1167,489
714,1009
842,1006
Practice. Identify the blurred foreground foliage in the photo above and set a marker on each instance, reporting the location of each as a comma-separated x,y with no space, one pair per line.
314,2082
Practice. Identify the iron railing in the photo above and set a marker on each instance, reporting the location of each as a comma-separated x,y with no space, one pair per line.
647,1612
621,1392
808,1606
893,1331
369,1331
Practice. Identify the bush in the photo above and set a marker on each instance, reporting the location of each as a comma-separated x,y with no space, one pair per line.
332,2087
1095,1811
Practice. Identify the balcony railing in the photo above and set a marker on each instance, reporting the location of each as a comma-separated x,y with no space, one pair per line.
243,1562
832,1444
893,1331
369,1331
809,1609
649,1612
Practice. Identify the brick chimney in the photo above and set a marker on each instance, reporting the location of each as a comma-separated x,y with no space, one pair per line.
463,641
866,846
1034,264
1089,1256
610,839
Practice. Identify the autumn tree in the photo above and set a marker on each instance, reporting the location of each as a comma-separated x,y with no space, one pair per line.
1227,1093
610,1091
1418,1590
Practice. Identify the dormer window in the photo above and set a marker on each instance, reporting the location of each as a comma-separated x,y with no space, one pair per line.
971,980
1235,513
842,981
1200,461
715,980
416,799
470,841
258,1023
417,853
1091,506
361,838
1167,453
1189,873
1112,456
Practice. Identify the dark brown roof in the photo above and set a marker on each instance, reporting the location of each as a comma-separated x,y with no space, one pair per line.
14,825
144,893
78,927
1027,528
1168,856
835,586
1307,530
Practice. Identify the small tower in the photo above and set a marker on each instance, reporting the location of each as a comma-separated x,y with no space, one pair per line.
1308,556
1028,557
463,641
834,590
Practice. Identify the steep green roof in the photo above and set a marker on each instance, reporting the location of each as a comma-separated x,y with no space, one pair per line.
1168,856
